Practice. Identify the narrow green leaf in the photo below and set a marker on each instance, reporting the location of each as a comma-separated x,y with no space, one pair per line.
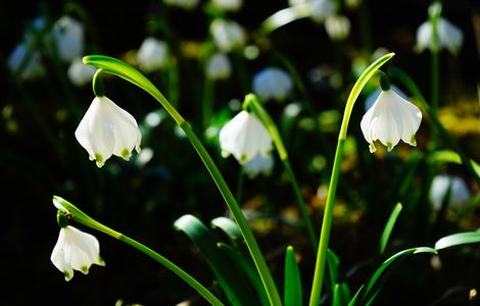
341,294
284,17
293,292
448,156
333,263
231,280
357,296
457,239
368,292
387,231
228,226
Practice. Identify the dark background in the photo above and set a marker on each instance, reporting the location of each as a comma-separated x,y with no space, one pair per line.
145,202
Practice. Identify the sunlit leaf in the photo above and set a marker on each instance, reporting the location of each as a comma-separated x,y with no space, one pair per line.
457,239
293,292
389,227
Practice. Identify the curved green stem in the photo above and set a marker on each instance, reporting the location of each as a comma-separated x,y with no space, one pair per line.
408,82
328,214
252,103
127,72
73,213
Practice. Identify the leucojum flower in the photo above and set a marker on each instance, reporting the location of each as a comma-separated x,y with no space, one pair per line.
443,184
106,130
228,35
79,73
152,55
390,119
244,137
68,35
272,83
218,67
75,250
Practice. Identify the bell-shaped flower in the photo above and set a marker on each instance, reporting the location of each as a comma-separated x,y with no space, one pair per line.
152,55
260,164
244,136
26,63
227,34
228,5
320,10
68,36
449,36
75,250
184,4
218,67
272,83
106,130
448,184
337,27
390,119
79,73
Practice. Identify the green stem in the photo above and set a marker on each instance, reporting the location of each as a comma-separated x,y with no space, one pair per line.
132,75
252,102
207,102
435,78
408,82
328,214
76,214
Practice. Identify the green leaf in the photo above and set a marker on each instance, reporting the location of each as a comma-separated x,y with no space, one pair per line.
333,264
229,227
387,231
367,293
293,292
341,294
284,17
230,278
448,156
457,239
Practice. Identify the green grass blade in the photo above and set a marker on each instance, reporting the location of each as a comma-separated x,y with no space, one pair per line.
230,279
457,239
293,292
341,295
387,231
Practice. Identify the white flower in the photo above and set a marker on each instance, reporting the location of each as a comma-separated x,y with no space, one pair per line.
321,9
441,184
218,67
107,129
75,250
390,119
80,73
245,136
449,36
68,35
185,4
27,64
259,164
227,34
272,83
337,27
153,54
372,98
228,5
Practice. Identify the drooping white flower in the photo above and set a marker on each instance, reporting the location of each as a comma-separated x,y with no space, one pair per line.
441,184
390,119
27,63
152,55
107,129
79,73
337,27
218,67
68,35
75,250
244,137
227,34
228,5
272,83
449,36
184,4
259,164
372,98
321,9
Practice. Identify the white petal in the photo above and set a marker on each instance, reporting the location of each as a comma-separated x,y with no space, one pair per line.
58,257
272,83
153,54
68,34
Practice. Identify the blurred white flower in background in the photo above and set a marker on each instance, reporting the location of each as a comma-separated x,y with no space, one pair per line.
272,83
228,5
107,129
321,9
260,164
244,137
152,55
75,250
26,63
68,36
390,119
185,4
449,36
218,67
227,34
337,27
79,73
442,184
